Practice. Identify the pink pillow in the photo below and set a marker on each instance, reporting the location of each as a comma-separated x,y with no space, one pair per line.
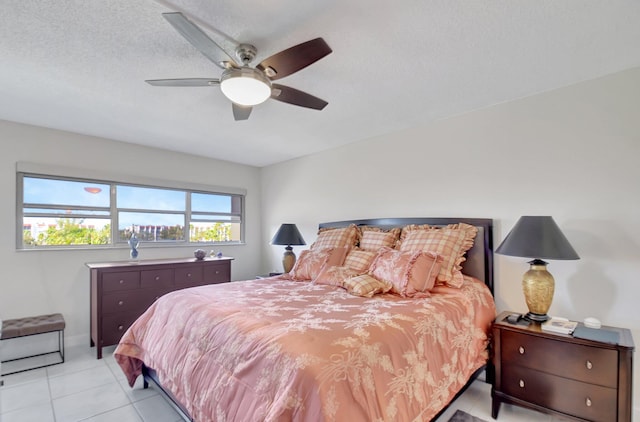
412,274
359,260
345,237
335,275
450,242
374,238
310,262
366,286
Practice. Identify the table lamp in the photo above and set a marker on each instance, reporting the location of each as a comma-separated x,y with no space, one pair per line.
537,237
288,235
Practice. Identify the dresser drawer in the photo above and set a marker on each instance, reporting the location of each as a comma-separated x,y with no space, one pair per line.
130,300
189,276
114,326
156,278
125,280
219,273
583,363
588,401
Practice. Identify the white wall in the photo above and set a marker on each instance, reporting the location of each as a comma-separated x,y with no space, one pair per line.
40,282
571,153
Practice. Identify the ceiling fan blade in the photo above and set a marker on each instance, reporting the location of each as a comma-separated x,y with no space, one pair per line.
184,82
294,59
293,96
218,55
241,112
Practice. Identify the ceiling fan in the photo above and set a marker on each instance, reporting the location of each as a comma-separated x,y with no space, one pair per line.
244,85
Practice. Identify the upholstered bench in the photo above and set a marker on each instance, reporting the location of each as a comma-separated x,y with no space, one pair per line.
30,326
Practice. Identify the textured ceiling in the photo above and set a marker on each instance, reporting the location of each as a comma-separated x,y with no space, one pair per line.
80,65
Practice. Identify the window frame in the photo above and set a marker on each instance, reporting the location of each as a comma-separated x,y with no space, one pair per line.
113,180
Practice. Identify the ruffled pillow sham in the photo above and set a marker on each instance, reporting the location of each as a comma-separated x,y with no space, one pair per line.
451,242
411,273
310,262
345,237
374,238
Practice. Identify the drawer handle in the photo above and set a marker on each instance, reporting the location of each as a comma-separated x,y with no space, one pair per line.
217,272
121,303
121,281
120,327
589,365
588,402
157,277
188,274
521,383
521,350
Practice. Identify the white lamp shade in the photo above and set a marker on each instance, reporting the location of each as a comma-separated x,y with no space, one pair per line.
245,86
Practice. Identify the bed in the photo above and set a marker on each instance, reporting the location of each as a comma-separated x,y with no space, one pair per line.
280,349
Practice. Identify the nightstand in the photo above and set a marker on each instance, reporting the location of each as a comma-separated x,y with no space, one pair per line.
559,374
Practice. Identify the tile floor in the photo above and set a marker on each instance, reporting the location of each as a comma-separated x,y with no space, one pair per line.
477,402
81,389
87,389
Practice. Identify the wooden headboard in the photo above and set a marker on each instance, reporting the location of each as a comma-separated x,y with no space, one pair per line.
479,263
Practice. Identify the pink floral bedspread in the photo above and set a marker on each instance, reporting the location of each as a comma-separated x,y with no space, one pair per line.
278,350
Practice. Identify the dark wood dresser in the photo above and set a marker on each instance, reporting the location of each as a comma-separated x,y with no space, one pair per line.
559,374
122,290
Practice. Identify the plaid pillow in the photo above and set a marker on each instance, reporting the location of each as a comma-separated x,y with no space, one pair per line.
359,260
346,237
450,242
365,285
374,238
334,275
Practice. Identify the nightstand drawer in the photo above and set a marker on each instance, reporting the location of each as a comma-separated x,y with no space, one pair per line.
588,401
583,363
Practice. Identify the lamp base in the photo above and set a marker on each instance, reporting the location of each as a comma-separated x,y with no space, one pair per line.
536,317
538,286
288,259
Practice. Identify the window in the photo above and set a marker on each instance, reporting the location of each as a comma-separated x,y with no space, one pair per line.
56,211
157,215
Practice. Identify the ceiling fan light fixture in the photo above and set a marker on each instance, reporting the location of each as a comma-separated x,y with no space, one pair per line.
245,86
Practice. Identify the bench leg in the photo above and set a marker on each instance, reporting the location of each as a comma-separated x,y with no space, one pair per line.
61,344
60,352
